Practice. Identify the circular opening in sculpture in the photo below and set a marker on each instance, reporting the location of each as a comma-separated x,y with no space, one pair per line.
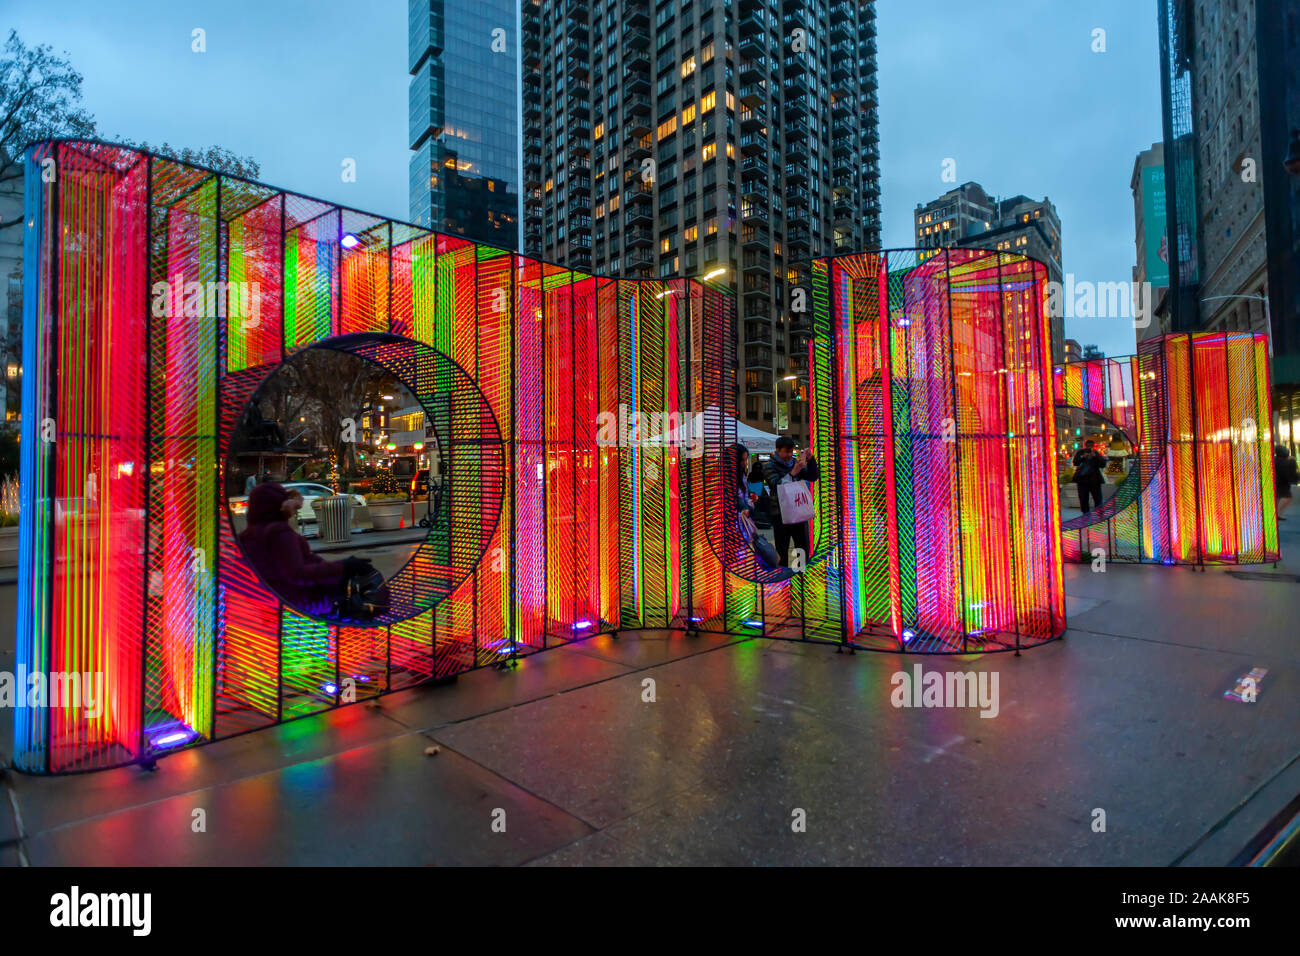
766,506
1094,459
341,479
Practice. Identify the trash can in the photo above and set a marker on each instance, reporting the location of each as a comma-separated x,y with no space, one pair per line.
333,518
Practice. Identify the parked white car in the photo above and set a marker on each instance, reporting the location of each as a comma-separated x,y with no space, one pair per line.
310,491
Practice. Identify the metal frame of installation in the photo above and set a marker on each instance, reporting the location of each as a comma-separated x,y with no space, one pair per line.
1196,408
583,421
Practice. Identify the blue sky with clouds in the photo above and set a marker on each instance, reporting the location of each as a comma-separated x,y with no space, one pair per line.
1010,90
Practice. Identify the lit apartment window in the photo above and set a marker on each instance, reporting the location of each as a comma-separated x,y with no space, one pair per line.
688,115
710,151
711,225
665,244
667,127
731,100
731,150
688,65
710,100
692,233
599,131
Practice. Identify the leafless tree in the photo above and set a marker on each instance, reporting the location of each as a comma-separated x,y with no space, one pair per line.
40,97
317,391
40,94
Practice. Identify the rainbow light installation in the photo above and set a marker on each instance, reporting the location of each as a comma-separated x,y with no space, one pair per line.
1197,407
567,405
943,405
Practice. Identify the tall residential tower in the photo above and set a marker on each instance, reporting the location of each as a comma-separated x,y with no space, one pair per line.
685,136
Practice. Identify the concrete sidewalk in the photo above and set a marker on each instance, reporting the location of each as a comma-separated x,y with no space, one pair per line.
1126,715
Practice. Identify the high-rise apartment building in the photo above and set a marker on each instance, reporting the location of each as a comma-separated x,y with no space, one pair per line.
464,118
969,216
959,213
1231,93
686,136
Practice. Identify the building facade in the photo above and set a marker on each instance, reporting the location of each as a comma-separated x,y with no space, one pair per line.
683,138
1233,284
1149,236
969,216
956,215
464,118
1231,93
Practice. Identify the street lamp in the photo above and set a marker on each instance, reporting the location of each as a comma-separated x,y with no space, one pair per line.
1268,321
713,274
775,385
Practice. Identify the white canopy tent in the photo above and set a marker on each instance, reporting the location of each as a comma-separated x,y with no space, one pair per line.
714,422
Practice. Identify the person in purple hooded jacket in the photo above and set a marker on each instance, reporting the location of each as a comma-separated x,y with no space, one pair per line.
284,559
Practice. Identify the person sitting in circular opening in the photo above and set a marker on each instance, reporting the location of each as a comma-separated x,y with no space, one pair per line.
286,561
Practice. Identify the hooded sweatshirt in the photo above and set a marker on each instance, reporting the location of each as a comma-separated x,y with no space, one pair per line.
282,556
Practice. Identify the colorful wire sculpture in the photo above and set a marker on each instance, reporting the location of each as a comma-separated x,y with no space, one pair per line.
583,421
1201,489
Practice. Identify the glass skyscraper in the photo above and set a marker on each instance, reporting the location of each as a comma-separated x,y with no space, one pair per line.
464,121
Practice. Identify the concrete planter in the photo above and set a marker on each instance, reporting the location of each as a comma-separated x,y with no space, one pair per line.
387,515
1070,495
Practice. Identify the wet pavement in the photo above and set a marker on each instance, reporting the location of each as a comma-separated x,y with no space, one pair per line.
564,761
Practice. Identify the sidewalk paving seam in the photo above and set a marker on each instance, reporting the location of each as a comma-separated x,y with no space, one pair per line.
1150,640
500,776
1240,805
17,842
221,784
412,732
564,846
631,669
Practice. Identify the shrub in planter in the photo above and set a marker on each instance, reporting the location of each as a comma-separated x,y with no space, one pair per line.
386,501
385,486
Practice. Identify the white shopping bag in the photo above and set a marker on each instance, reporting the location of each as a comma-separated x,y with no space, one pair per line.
795,498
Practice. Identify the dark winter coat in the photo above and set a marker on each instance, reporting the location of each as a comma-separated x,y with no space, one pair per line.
1284,473
774,472
282,556
1088,464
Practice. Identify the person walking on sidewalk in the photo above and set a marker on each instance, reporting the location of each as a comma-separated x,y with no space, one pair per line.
1284,476
1088,463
